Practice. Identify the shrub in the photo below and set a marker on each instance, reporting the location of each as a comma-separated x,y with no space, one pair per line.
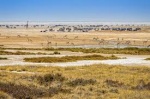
114,83
56,52
1,58
114,91
55,90
21,91
147,59
142,85
81,82
49,78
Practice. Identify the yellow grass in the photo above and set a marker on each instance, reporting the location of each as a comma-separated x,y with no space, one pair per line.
69,58
88,82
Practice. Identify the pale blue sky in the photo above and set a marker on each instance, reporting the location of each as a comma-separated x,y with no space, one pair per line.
75,10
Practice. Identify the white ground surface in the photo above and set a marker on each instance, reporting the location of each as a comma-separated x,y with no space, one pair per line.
130,60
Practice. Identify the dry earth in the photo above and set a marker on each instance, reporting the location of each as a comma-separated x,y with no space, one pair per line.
33,38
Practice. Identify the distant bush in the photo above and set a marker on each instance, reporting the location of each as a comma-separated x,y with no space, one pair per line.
55,90
49,78
114,83
81,82
114,91
147,59
20,91
143,86
56,52
54,82
1,58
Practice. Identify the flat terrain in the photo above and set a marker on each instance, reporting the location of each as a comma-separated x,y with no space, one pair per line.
33,38
126,60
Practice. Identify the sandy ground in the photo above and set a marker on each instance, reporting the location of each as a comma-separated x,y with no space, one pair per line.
33,38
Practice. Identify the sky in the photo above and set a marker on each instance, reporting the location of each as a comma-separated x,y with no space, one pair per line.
75,10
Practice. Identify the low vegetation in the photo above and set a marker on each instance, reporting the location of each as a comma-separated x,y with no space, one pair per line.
1,58
56,52
2,52
81,82
20,91
16,53
49,78
68,58
133,51
88,82
1,46
128,50
147,58
4,95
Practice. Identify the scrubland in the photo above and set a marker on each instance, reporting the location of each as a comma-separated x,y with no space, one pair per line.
87,82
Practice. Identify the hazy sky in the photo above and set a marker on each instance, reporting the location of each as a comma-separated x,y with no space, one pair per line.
75,10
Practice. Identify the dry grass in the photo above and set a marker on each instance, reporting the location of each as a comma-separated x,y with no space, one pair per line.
132,51
128,50
88,82
4,95
15,53
68,58
2,52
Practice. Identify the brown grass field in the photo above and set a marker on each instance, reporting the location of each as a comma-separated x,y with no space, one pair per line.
87,82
